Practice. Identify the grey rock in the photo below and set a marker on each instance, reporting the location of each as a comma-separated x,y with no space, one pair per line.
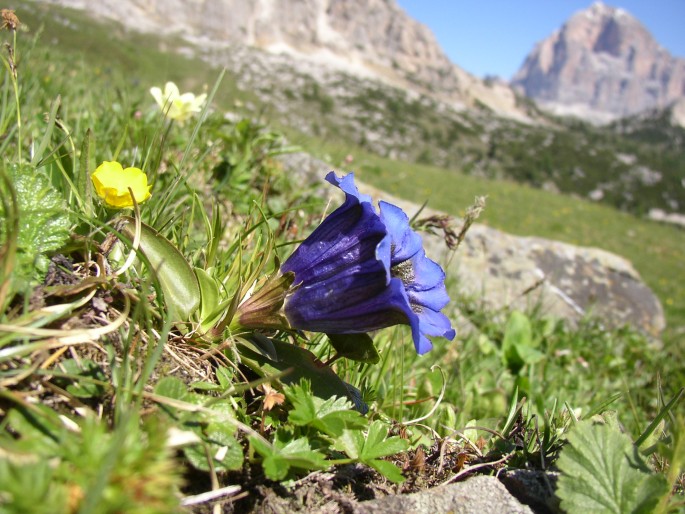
567,281
533,487
478,494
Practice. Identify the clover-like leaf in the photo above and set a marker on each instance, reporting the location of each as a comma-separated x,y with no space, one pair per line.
218,444
602,472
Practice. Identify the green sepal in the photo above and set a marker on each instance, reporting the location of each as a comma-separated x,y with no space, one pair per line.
356,347
264,309
212,306
176,278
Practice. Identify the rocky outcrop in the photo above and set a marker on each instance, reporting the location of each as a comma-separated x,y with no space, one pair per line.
567,281
372,38
511,272
602,64
483,494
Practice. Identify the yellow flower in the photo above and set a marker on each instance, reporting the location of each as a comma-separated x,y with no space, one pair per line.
112,181
177,106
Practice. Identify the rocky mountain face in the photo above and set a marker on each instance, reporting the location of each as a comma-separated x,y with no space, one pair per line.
371,38
602,64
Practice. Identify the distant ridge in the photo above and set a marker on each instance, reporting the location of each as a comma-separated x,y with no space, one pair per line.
601,64
370,38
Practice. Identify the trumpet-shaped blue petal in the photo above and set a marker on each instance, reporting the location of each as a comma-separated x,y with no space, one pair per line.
361,271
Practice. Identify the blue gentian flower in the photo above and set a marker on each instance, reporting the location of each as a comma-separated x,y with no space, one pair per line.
360,271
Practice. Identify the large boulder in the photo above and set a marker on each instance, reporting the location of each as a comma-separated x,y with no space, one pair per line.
563,280
567,281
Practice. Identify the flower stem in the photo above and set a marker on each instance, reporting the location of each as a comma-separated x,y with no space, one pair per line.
11,64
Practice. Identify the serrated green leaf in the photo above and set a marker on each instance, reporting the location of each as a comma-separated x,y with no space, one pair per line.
351,442
356,347
369,449
330,416
43,217
387,469
286,454
376,444
603,472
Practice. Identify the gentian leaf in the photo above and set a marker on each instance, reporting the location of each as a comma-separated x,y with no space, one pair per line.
209,293
177,279
356,347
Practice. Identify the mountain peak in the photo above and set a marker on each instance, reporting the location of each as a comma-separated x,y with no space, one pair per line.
601,10
602,63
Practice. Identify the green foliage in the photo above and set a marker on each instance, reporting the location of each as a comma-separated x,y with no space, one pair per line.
286,453
212,420
48,468
369,448
245,170
44,219
603,472
329,416
83,378
177,279
518,346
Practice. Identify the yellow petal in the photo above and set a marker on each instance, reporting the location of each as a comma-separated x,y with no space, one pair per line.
112,182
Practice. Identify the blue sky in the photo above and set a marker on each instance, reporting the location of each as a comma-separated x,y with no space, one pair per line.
494,36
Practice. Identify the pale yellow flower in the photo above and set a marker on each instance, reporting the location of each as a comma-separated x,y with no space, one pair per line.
177,106
112,181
